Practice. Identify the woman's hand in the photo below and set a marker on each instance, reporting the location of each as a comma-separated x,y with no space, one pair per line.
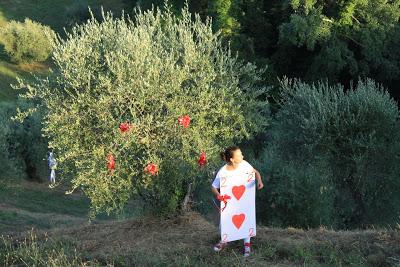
260,185
215,192
258,177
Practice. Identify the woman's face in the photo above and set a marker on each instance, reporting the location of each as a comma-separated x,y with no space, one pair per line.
237,156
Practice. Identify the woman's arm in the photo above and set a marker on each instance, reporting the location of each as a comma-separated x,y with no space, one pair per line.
259,181
215,191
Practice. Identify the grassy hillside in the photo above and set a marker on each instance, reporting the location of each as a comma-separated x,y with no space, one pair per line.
60,226
187,241
24,205
56,14
9,72
51,222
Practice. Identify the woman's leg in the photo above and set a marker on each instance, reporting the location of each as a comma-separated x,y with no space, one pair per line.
246,246
220,245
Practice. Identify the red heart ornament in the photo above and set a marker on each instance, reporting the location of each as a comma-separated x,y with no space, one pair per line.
124,127
202,159
151,168
185,121
238,220
238,191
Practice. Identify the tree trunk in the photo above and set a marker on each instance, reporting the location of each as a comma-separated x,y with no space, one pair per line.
187,201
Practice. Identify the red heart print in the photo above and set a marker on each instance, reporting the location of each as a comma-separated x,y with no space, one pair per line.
238,220
238,191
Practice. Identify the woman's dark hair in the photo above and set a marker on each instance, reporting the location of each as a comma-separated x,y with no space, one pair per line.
228,153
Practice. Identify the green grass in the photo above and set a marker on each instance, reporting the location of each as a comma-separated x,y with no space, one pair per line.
24,208
41,201
26,205
8,76
9,73
53,13
11,220
30,252
2,18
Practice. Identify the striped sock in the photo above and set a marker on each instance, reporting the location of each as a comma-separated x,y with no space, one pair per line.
247,247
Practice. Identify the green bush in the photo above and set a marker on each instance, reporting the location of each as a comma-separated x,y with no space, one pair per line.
148,72
26,41
23,148
333,157
28,147
7,166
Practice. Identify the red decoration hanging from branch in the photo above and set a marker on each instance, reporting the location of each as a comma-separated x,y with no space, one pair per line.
110,162
202,159
184,121
151,168
124,127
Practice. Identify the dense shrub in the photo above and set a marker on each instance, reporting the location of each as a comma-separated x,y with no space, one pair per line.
23,148
26,41
6,168
333,157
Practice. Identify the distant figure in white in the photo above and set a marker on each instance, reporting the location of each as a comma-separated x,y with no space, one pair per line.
52,165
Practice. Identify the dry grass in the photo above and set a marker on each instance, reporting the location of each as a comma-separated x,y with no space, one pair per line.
189,231
187,240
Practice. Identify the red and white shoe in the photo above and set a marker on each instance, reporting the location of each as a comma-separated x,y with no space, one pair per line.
220,246
247,250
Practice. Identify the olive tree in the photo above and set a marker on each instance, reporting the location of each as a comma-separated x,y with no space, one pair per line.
120,90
